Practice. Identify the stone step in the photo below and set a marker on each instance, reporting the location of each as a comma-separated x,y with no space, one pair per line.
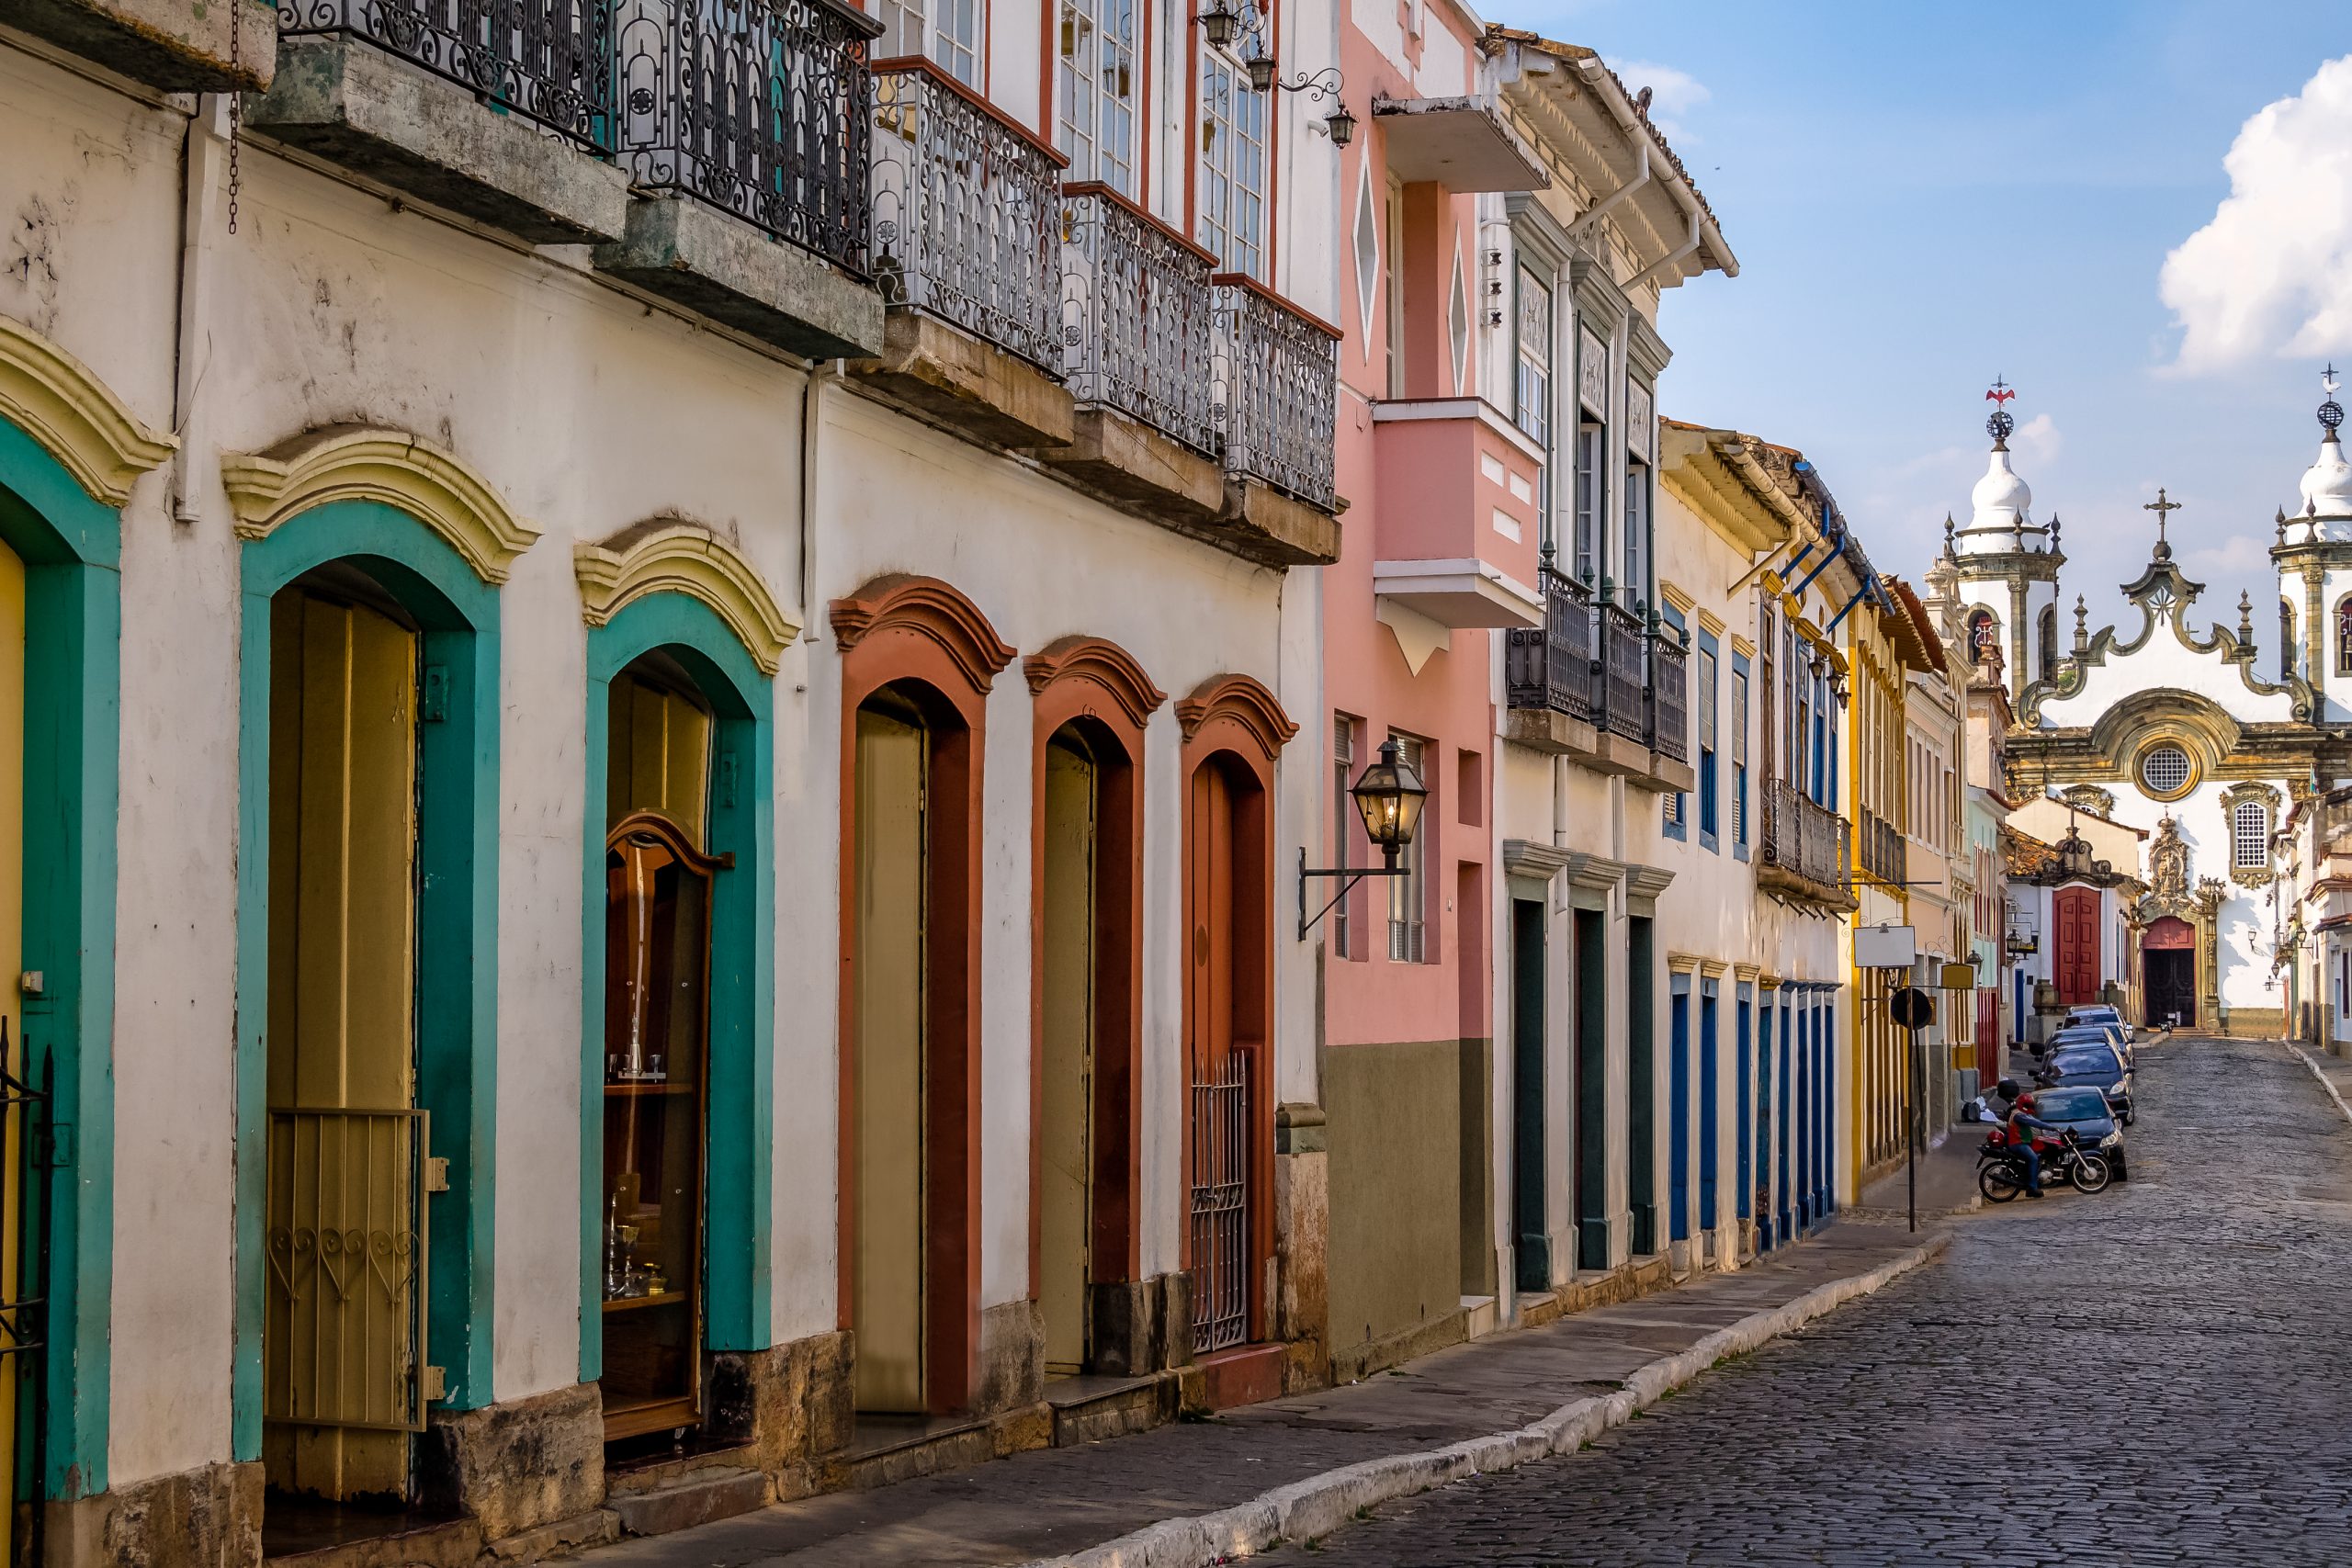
455,1543
695,1499
1089,1409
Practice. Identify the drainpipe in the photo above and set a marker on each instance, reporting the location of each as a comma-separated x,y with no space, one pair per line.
208,131
1671,258
1607,204
820,375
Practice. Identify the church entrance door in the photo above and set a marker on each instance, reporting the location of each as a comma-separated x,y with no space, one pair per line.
2168,972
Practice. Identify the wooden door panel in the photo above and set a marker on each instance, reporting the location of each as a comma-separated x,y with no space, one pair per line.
1066,1133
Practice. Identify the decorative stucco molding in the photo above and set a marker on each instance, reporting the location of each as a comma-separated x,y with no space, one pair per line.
667,555
928,608
1531,859
1102,661
347,462
60,402
1245,700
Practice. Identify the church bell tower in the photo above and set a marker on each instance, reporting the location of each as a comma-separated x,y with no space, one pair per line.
2005,565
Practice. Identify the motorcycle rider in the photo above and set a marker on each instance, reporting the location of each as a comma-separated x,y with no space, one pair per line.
2021,1124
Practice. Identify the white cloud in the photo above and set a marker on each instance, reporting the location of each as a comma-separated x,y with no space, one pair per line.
1672,92
2271,274
2240,555
2037,441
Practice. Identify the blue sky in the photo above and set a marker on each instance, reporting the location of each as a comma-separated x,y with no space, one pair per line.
1923,195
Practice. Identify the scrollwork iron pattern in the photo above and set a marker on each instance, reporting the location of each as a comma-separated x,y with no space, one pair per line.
1136,306
1550,666
1277,388
1622,705
763,108
966,217
550,61
1807,838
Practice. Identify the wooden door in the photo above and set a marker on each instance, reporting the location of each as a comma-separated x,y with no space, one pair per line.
2077,918
1530,1224
1222,1116
342,1334
1066,1131
893,759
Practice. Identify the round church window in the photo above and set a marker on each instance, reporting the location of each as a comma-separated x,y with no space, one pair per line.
2165,772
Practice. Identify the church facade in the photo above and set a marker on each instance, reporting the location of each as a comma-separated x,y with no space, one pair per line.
2200,739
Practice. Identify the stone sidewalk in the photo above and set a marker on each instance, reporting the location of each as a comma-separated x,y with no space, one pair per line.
2334,1072
1484,1405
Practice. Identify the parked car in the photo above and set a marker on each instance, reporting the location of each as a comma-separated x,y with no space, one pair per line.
2097,1034
2100,1013
2085,1110
2094,1063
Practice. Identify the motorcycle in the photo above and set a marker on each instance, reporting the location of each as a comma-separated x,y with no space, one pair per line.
2001,1171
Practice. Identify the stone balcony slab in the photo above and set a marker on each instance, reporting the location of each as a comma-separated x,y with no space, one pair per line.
1133,466
1550,731
724,269
180,46
1261,523
966,386
1621,758
354,105
1665,775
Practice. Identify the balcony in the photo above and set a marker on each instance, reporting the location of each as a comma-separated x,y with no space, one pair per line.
1549,673
1669,716
746,127
1137,351
1805,850
497,112
1456,534
967,248
168,44
1883,854
1275,392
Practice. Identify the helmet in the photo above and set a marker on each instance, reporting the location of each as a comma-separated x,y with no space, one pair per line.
2025,1102
2006,1089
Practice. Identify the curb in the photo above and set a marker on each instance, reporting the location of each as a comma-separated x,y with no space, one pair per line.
1320,1504
2325,1082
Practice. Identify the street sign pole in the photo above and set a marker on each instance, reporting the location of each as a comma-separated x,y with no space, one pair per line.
1913,1010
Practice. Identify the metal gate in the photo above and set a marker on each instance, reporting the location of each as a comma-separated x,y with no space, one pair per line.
1221,1179
27,1154
347,1270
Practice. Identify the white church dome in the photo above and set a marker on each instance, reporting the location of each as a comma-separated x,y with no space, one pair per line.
2001,500
2328,483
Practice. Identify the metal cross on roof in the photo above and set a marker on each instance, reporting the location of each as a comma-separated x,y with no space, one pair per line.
2163,507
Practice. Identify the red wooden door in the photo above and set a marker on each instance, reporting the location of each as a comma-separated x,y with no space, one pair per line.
2078,923
1222,1199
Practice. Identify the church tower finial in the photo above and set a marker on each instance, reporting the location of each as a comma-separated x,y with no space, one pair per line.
2163,506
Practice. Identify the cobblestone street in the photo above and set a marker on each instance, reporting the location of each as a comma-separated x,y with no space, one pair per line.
2154,1375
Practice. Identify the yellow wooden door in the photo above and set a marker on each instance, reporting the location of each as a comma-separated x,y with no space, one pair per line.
12,934
340,1342
888,1279
1065,1131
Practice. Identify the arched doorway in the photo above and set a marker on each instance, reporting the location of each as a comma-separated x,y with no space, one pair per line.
1092,701
1234,729
2168,972
917,660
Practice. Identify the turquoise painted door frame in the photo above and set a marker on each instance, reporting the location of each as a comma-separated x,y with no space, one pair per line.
456,963
71,547
739,1185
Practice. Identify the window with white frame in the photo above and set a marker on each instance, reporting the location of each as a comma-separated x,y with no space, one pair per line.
1739,750
948,31
1344,730
1231,220
1408,893
1097,85
1532,410
1634,587
1589,438
2249,835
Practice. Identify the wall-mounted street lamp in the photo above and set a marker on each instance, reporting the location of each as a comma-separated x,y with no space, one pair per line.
1388,796
1222,26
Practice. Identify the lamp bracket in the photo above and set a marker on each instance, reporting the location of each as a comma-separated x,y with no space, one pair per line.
1353,874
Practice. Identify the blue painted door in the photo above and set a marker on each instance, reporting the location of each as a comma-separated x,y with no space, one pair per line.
1785,1185
1744,1183
1678,1142
1710,1215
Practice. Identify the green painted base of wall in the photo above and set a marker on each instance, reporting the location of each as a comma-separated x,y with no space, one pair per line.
1477,1174
1396,1231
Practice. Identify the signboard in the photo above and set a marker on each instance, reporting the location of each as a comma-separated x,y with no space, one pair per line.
1912,1007
1960,977
1963,1058
1885,947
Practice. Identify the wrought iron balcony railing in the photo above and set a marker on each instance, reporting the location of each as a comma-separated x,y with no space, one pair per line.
1277,379
1136,306
1624,701
1669,697
763,108
1805,838
1883,853
1550,666
550,61
967,212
